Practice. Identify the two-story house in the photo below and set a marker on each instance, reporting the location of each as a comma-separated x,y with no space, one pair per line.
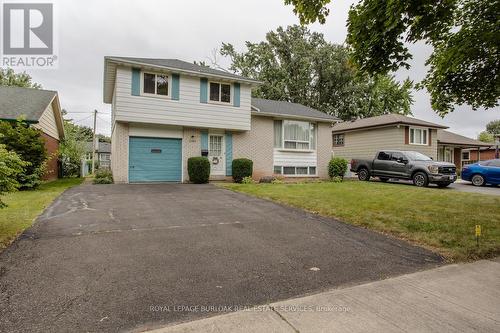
166,110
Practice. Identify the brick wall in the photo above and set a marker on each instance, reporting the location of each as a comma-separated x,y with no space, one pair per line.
256,145
119,152
52,146
191,147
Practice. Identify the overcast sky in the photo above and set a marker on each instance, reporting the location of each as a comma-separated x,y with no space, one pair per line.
189,30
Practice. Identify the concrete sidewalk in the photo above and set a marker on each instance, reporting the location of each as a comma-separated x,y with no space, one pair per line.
459,297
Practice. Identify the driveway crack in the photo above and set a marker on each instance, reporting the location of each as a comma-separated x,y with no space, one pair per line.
284,319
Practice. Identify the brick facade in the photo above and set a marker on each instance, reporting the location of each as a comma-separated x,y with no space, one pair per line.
324,148
191,147
119,152
257,145
52,146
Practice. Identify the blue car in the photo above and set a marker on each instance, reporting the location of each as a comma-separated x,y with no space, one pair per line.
483,172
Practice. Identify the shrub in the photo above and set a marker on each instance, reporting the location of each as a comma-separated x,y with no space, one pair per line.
242,167
337,167
277,181
199,169
336,179
103,176
247,180
28,143
11,166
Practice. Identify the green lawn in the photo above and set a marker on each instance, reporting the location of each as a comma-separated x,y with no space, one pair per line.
25,206
439,219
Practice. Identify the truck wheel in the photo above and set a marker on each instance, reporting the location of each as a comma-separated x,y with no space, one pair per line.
420,179
384,180
363,174
477,180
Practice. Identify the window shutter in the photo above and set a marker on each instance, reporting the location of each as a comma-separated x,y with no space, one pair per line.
203,90
236,94
229,154
136,81
430,137
407,135
175,87
204,140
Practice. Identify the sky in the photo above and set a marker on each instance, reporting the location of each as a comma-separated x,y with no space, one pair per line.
191,30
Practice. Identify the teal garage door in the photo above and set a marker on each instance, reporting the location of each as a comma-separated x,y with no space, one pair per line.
154,160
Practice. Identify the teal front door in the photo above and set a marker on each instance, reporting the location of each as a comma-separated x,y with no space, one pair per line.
154,160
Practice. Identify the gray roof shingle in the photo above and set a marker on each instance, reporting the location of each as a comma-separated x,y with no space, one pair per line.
457,139
182,65
386,119
29,103
283,108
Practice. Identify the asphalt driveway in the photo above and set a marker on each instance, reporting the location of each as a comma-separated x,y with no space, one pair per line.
132,257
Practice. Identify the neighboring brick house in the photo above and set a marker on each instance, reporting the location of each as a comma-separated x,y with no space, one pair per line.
166,110
42,110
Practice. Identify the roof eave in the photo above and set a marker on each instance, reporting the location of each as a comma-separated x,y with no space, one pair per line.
174,69
286,116
436,126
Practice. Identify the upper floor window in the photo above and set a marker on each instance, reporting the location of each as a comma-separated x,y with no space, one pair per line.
155,84
292,134
338,139
220,92
418,136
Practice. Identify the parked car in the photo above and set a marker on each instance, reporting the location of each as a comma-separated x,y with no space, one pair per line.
397,164
482,173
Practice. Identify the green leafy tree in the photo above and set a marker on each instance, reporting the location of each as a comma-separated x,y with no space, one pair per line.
493,127
72,148
10,78
11,166
485,136
300,66
463,68
28,143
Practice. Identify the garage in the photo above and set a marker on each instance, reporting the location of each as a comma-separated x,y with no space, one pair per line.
155,160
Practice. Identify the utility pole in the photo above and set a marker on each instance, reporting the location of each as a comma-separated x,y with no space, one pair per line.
93,143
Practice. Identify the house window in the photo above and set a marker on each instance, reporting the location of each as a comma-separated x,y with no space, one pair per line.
338,139
418,136
220,92
295,170
465,155
291,134
155,84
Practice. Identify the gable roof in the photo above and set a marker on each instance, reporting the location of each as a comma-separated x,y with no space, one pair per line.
110,63
268,107
447,137
29,103
383,120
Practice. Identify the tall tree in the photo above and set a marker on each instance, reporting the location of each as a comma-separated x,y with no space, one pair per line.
10,78
463,68
300,66
493,127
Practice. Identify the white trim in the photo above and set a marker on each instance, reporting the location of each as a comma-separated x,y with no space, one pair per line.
420,129
155,95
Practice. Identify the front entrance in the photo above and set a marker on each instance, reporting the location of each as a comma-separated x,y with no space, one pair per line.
216,154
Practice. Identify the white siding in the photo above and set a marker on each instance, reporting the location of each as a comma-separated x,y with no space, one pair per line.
187,111
47,123
154,130
290,158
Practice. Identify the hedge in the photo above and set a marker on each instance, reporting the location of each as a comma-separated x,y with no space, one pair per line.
198,169
242,167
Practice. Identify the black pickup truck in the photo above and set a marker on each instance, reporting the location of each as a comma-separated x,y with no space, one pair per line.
397,164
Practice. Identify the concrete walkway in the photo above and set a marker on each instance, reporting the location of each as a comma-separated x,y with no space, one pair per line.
453,298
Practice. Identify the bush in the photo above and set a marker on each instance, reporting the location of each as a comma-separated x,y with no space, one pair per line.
199,169
11,166
336,179
247,180
242,167
28,143
103,176
337,167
